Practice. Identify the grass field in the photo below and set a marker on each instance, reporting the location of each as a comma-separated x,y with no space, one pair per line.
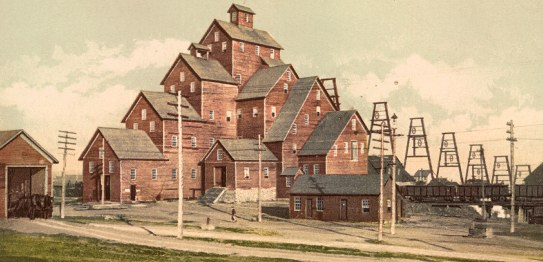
16,246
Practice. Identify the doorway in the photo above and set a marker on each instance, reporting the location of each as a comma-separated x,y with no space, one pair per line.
107,188
22,183
343,209
220,176
133,192
308,208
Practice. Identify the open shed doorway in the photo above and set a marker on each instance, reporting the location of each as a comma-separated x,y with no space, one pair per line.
24,182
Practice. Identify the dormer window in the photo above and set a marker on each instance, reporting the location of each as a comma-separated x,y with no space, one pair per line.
234,16
246,18
216,36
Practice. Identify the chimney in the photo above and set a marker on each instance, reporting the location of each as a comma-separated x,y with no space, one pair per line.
241,15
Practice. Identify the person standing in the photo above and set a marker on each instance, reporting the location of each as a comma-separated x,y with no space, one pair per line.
234,218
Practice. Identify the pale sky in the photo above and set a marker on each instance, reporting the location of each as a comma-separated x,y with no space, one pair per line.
462,65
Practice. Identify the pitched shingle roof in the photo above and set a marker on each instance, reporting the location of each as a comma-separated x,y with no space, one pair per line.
290,109
336,185
261,82
165,105
241,8
272,62
326,133
210,70
9,135
374,168
536,177
291,171
247,34
246,149
131,144
198,46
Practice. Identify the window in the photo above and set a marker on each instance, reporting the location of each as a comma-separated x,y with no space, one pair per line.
152,126
193,173
228,116
174,173
111,167
133,173
335,150
224,46
306,119
181,76
273,113
294,128
193,141
241,47
306,169
354,150
211,142
144,114
289,75
135,126
297,203
294,148
389,205
192,87
239,113
320,204
238,78
174,141
246,172
266,172
101,153
353,124
255,111
91,167
211,115
219,154
257,50
172,89
346,145
316,169
216,36
285,88
318,97
272,54
365,206
234,16
362,148
318,110
210,46
246,18
153,173
288,181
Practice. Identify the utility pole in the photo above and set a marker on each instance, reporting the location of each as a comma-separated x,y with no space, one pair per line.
103,176
66,147
512,175
180,167
259,179
394,167
381,191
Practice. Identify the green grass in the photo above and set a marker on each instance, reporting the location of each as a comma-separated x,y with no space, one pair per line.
246,231
331,250
16,246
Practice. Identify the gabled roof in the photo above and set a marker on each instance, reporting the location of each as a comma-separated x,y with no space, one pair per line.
336,185
291,171
280,128
241,8
536,177
326,133
9,135
246,150
198,46
374,168
164,105
272,62
261,82
246,34
127,144
209,70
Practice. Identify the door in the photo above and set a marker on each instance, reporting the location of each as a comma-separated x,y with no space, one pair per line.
220,176
223,177
133,192
308,208
343,209
107,189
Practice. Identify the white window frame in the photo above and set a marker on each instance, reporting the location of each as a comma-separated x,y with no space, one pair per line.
135,126
346,145
318,96
210,46
174,173
272,53
306,119
238,113
285,88
152,126
288,181
320,204
316,169
353,124
172,89
234,16
101,152
220,154
144,114
241,47
318,109
154,174
174,141
257,50
192,87
354,151
181,76
211,141
133,173
246,172
294,148
266,172
273,112
289,75
389,205
246,18
306,169
228,116
294,129
255,111
238,78
92,167
362,148
365,205
216,36
297,203
193,141
211,115
224,46
335,150
111,167
193,173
